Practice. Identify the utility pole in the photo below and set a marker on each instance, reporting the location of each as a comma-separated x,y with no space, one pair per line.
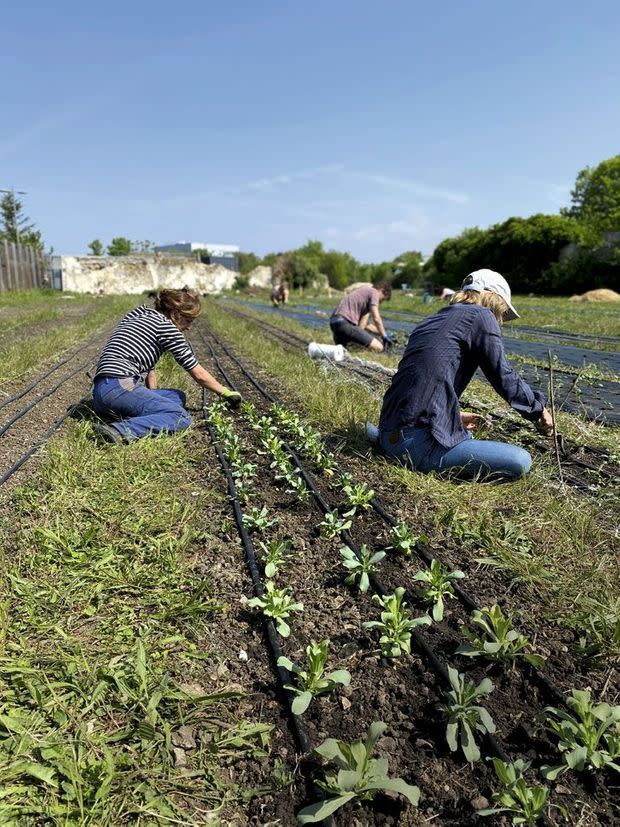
14,192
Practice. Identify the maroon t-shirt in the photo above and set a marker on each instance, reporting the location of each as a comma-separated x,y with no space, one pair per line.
357,304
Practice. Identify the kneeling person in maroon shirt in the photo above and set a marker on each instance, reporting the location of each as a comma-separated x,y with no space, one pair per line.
350,321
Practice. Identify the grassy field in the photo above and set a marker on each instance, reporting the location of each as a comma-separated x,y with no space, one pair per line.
124,698
38,325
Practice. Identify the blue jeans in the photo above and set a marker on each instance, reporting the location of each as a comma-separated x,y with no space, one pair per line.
471,458
141,412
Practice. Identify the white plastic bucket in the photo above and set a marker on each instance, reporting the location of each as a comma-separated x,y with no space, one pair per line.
336,353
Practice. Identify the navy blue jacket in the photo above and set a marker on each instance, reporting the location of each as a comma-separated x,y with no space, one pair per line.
441,356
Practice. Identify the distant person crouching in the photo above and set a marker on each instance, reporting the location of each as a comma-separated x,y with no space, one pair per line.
125,384
350,320
280,294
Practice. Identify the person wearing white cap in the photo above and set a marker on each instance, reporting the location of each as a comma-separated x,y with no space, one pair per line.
421,423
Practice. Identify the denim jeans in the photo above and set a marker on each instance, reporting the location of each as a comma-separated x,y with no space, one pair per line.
471,458
141,412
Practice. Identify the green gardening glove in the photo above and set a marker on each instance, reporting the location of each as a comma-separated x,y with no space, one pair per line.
232,398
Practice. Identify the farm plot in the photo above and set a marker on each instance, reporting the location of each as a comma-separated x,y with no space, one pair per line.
514,696
138,667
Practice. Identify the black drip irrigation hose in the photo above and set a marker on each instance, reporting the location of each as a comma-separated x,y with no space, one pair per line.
493,746
41,396
25,457
299,733
40,378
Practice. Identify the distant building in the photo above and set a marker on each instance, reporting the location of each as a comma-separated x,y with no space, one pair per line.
223,254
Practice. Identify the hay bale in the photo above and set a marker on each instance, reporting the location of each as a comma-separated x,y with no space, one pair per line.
600,295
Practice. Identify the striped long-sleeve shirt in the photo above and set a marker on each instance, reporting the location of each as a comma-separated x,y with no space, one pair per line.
138,342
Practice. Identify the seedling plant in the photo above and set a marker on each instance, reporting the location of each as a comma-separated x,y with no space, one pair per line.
526,805
499,640
277,604
333,524
358,777
465,715
395,625
361,566
359,495
275,554
439,584
312,682
258,519
589,739
403,539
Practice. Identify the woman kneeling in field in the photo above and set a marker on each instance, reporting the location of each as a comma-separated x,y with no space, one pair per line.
421,423
125,384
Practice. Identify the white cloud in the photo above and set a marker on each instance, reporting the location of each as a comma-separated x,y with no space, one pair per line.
421,190
289,178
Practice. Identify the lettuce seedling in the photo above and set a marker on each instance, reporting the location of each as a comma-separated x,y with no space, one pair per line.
526,804
395,625
360,566
258,519
403,539
499,641
275,555
276,603
588,739
297,485
359,495
358,777
439,585
464,715
310,683
333,524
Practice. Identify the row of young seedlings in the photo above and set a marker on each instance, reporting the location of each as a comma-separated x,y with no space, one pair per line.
588,739
395,627
357,775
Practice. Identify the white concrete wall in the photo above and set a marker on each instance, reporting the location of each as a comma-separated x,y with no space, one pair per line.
139,274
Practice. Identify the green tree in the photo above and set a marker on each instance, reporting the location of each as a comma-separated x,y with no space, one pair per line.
119,246
247,262
408,268
340,268
16,226
596,199
96,247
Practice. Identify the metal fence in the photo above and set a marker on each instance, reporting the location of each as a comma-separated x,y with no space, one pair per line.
22,267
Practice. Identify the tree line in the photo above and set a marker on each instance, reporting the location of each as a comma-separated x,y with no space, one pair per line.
532,253
575,250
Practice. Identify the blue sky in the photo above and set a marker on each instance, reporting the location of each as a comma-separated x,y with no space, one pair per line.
375,127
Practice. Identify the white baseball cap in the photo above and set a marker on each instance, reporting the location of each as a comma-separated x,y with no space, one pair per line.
481,280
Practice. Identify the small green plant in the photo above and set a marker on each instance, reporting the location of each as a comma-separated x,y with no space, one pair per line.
360,566
325,462
403,539
358,495
499,640
588,739
464,715
333,524
297,486
527,805
439,584
258,519
359,776
277,604
395,625
275,555
312,682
